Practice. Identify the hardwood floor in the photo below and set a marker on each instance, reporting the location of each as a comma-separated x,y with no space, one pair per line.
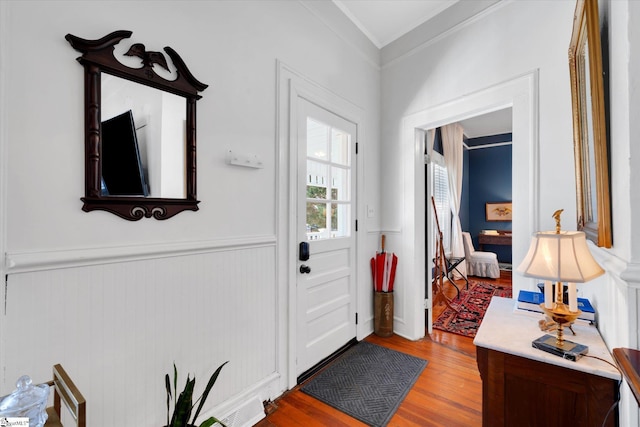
447,393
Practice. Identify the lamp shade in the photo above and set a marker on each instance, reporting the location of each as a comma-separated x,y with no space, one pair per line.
561,257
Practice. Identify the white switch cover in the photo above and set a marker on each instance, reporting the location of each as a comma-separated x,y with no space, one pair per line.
246,160
370,212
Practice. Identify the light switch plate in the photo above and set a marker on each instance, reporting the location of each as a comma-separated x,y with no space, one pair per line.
246,160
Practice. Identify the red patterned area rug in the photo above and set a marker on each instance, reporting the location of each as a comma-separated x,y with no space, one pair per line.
471,306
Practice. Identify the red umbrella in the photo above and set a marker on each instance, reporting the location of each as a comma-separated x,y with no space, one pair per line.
389,272
383,269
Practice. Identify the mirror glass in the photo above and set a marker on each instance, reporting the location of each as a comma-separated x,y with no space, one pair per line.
588,155
143,140
589,146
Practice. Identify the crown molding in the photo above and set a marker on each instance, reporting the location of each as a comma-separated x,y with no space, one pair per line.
428,34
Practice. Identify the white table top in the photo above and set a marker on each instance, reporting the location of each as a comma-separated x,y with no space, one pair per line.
506,329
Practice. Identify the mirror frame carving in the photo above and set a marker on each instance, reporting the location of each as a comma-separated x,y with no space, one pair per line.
586,33
97,57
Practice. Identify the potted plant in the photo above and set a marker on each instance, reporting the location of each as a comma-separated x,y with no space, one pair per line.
183,404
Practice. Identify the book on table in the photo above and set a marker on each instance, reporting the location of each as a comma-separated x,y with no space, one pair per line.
528,300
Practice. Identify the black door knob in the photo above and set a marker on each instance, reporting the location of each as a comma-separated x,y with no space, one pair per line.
304,269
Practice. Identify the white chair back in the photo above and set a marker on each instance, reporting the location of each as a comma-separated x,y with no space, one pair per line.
468,244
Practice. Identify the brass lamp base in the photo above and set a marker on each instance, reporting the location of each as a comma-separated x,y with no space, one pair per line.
560,314
558,345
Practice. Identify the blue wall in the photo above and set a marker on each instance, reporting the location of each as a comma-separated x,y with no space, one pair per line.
487,173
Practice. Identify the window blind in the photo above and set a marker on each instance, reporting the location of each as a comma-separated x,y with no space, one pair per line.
441,196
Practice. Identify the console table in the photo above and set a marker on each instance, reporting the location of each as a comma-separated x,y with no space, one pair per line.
523,386
493,239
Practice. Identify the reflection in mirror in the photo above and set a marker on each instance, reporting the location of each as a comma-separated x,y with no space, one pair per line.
587,154
589,166
122,173
156,147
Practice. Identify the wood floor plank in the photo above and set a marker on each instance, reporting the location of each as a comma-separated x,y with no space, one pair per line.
448,393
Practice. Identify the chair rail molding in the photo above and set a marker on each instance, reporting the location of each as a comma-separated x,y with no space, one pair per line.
627,272
630,274
22,262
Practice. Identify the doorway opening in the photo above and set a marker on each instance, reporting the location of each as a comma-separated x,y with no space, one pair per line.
486,176
519,94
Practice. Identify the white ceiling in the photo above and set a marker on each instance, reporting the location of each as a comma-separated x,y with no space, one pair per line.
494,123
384,21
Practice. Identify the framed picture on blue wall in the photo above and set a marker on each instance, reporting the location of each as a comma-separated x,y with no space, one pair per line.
498,211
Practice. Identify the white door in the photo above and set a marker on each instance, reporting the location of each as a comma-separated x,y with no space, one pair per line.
326,300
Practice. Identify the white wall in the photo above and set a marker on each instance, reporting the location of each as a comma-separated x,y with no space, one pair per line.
621,295
232,47
509,40
117,302
115,279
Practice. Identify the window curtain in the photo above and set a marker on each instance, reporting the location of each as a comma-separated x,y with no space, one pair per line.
453,158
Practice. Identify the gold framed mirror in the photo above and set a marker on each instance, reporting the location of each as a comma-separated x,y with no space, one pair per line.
589,125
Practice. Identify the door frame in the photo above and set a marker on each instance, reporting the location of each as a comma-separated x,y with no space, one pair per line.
519,93
292,85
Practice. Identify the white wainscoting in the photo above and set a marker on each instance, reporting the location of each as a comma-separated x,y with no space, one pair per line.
118,327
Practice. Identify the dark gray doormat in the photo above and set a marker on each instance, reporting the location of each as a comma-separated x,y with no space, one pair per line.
368,382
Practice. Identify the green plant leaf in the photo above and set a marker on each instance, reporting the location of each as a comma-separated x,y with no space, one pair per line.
182,410
211,421
175,383
207,389
167,384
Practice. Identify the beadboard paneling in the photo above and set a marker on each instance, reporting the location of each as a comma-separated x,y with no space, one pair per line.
118,328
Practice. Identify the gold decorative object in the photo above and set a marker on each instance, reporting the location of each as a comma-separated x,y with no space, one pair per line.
560,256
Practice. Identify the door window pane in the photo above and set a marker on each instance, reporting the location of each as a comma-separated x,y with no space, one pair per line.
317,179
328,181
340,220
340,147
317,140
317,221
340,184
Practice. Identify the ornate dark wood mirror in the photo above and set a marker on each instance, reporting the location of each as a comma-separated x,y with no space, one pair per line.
140,129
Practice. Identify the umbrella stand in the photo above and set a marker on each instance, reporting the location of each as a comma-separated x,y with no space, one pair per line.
383,314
